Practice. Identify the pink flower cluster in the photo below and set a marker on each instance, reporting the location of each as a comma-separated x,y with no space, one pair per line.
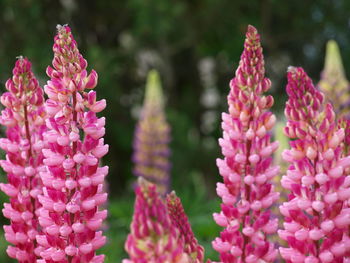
55,182
180,220
153,238
247,171
23,117
73,180
317,214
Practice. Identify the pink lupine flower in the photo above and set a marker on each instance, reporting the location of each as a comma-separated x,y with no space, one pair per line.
180,220
317,215
153,238
73,181
152,136
23,117
247,171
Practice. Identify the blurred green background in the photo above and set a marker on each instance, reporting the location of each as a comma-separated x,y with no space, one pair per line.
195,45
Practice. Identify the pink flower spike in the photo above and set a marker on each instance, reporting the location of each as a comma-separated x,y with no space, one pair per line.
73,183
321,180
23,117
153,236
247,192
180,220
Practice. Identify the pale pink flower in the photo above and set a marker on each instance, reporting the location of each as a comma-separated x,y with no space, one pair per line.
316,216
73,181
247,192
23,117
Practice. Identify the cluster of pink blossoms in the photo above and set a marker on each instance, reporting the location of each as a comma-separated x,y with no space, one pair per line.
55,183
247,171
180,220
73,179
153,238
23,117
317,214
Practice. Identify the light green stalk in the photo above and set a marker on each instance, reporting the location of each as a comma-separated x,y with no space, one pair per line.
333,80
154,98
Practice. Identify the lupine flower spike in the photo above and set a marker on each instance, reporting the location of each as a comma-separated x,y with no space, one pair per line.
153,237
152,135
333,81
317,217
23,117
73,181
247,193
180,220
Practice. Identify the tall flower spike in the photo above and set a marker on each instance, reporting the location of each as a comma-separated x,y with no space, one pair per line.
317,216
247,193
180,220
152,135
73,181
333,81
153,236
23,117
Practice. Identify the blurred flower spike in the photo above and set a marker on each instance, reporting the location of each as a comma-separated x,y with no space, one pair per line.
152,136
333,81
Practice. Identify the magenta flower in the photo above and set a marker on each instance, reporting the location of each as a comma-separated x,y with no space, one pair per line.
153,237
179,219
23,117
247,171
73,181
152,136
317,216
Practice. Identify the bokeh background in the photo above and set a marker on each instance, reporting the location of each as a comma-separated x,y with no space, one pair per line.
195,45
